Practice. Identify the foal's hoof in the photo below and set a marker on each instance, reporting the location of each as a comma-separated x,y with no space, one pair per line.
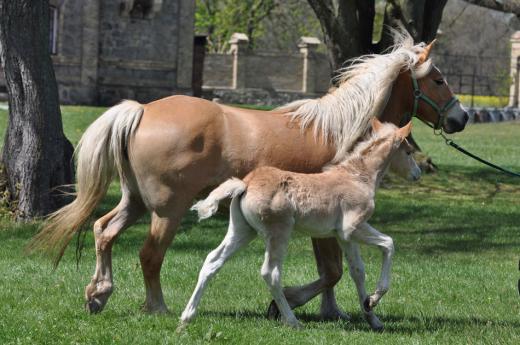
273,313
93,306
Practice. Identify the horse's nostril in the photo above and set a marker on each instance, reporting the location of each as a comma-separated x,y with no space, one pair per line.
466,117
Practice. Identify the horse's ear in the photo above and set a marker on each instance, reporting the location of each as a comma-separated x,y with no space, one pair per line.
405,131
376,124
426,53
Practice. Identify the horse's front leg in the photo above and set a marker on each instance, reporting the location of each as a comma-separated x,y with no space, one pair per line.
367,234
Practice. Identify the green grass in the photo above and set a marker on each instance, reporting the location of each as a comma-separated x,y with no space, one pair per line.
454,276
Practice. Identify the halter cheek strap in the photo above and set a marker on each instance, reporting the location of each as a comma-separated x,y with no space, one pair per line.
418,95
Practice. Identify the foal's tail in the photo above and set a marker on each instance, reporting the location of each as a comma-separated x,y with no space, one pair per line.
209,206
101,151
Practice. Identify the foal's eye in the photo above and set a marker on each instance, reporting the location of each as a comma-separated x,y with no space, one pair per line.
439,81
409,153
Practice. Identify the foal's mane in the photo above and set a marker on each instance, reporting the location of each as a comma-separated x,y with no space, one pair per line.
359,152
343,115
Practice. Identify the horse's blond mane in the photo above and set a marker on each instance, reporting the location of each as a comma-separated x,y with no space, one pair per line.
343,115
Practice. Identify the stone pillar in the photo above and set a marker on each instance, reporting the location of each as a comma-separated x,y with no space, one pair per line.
308,46
514,94
238,49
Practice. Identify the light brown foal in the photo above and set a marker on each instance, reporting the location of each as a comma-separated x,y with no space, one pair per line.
337,202
168,151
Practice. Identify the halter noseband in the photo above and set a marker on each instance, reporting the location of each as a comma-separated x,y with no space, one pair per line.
419,95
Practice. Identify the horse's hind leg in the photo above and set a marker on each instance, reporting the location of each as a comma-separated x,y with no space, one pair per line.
162,231
106,230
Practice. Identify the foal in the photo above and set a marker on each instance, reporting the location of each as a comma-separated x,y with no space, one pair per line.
334,203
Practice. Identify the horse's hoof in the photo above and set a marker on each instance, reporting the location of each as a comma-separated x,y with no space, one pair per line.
273,313
295,325
93,306
374,323
335,316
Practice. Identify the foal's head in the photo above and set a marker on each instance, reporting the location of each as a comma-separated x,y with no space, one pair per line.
387,143
403,164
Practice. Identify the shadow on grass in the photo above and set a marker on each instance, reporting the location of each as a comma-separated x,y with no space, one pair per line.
396,324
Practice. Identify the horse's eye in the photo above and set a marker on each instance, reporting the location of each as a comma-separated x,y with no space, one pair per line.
439,81
409,153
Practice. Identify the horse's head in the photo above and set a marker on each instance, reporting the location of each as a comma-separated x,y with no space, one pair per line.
428,96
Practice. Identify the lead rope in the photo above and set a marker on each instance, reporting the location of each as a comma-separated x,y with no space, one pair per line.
450,142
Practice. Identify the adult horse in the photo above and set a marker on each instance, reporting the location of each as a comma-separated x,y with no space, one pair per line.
168,151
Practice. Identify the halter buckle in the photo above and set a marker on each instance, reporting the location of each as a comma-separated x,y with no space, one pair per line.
417,93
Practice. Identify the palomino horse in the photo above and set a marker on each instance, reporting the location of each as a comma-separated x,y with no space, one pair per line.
336,203
168,151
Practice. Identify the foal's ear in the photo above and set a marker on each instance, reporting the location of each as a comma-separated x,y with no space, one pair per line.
426,53
405,131
376,124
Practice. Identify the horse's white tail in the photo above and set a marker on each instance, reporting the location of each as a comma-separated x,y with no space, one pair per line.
209,206
100,152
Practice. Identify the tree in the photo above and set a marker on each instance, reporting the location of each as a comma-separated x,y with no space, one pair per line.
37,157
512,6
348,25
219,19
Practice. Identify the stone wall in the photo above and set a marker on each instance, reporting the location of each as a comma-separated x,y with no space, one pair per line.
110,50
243,76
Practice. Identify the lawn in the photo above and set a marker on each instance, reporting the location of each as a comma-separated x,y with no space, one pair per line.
454,277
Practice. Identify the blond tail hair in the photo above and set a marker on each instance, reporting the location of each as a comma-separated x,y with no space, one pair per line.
100,152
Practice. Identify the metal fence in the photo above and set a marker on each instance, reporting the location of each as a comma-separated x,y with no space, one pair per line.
476,75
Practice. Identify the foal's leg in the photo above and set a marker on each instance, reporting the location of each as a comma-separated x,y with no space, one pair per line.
162,231
330,268
238,235
276,241
367,234
106,230
357,272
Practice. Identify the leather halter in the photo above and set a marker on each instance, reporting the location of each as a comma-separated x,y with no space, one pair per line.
418,95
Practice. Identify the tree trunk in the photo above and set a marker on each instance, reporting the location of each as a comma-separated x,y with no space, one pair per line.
512,6
37,157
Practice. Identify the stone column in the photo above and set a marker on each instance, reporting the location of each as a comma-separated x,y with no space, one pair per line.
308,46
238,49
514,94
